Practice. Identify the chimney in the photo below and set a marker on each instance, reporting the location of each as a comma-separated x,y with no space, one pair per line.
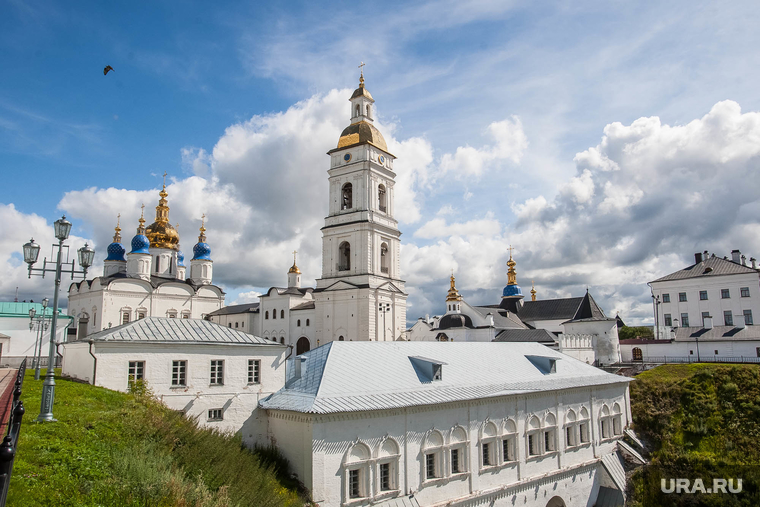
297,367
744,260
736,256
705,255
489,318
753,261
697,258
707,322
739,321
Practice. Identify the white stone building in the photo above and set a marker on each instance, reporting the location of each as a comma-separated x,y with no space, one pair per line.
360,295
17,340
211,372
150,282
726,290
456,424
577,327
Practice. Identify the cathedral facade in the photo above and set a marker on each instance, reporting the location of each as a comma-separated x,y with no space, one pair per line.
149,281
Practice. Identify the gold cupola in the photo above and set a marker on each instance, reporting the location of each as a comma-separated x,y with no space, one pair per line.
453,294
161,233
532,291
294,268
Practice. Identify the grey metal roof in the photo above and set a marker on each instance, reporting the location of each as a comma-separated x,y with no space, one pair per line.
613,464
358,376
550,309
501,318
167,330
525,335
307,305
235,309
718,333
712,266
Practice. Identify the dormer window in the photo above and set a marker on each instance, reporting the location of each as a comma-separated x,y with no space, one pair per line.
428,370
437,372
546,365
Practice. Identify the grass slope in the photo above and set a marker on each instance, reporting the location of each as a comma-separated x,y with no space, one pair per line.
703,421
111,448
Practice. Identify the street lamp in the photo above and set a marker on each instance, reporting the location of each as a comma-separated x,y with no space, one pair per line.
384,308
41,325
31,253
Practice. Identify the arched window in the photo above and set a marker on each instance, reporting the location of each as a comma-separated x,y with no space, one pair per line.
347,197
550,433
367,109
358,110
583,426
605,422
282,340
274,314
637,354
158,263
571,429
299,323
534,429
344,257
340,338
266,315
381,202
384,258
282,314
509,442
302,345
356,472
387,466
488,445
458,451
307,322
82,327
432,454
617,420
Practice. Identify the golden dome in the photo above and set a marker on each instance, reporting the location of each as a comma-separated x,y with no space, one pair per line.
453,294
361,133
294,268
161,233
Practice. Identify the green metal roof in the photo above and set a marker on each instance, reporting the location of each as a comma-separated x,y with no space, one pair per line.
10,309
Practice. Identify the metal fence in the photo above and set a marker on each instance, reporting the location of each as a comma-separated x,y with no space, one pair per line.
8,447
693,359
15,361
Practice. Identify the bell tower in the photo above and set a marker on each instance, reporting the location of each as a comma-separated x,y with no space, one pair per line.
360,295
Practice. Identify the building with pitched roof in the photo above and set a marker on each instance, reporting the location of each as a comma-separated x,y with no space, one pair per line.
150,282
207,371
574,326
18,339
725,290
450,424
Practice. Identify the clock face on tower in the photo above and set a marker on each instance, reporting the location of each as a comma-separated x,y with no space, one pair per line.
347,157
381,159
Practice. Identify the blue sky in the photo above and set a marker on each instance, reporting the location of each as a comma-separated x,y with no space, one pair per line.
488,106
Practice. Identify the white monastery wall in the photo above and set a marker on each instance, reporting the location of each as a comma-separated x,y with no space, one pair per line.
22,340
688,349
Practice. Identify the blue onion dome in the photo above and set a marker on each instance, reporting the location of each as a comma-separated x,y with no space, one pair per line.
180,259
511,291
140,243
115,250
201,250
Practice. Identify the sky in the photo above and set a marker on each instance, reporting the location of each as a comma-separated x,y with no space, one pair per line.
605,141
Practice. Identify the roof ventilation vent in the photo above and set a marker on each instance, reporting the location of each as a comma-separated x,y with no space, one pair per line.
428,370
546,365
707,270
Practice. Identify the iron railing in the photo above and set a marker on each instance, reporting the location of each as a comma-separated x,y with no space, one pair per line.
8,447
693,359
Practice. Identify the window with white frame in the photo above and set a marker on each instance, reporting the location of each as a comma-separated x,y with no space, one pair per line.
533,443
488,445
605,422
725,293
387,466
744,292
668,319
571,429
136,371
432,452
550,433
666,298
179,373
748,317
254,371
125,316
356,472
509,442
458,451
217,372
617,420
728,318
682,297
216,414
584,434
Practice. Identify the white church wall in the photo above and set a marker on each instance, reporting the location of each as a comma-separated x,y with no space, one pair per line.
687,350
606,341
236,397
77,361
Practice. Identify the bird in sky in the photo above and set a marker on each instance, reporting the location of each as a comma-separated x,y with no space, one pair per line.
108,67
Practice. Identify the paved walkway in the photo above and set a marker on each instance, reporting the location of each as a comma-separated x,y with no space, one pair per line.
7,379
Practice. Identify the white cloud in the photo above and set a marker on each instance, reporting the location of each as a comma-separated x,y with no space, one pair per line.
247,297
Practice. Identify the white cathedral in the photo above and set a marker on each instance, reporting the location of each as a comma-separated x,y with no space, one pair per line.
360,295
150,282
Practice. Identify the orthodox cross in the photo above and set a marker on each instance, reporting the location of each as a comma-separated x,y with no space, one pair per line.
294,256
360,67
510,251
142,210
164,179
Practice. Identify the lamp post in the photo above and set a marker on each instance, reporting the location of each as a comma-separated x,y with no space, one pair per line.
384,309
42,326
31,253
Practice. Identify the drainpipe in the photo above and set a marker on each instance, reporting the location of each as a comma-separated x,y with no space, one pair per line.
65,334
94,363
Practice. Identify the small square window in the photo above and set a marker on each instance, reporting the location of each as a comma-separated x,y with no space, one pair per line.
691,352
666,298
703,295
682,297
216,414
725,294
254,371
744,292
716,352
728,318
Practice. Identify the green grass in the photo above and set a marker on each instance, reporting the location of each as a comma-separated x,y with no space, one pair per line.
703,420
111,448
